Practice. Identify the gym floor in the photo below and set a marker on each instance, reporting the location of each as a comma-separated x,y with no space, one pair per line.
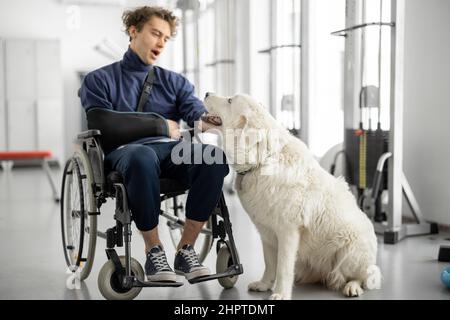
33,266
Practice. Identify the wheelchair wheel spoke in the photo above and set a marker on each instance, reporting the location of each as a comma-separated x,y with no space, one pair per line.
206,231
78,227
173,225
74,212
174,212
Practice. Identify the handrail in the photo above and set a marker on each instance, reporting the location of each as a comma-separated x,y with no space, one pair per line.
223,61
269,50
343,32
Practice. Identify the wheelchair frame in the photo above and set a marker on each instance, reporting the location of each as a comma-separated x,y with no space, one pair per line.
126,279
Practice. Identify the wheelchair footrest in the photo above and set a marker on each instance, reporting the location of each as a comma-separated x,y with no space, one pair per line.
139,283
231,272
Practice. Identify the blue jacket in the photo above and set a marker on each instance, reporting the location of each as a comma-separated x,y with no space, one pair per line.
118,87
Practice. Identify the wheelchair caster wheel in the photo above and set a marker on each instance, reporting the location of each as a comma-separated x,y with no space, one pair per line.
110,286
224,261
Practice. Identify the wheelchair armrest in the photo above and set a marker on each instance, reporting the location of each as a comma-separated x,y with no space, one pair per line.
91,144
89,134
189,130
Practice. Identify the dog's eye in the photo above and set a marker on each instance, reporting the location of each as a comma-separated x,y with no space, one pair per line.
230,100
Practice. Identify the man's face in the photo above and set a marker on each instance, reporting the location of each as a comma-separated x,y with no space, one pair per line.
151,40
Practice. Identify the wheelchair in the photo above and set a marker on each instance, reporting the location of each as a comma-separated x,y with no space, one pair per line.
86,186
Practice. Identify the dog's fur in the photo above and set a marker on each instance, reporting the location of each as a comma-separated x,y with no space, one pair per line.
310,225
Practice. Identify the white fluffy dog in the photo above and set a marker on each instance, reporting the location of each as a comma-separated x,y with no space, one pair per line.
310,225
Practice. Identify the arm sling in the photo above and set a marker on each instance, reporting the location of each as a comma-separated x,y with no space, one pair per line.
119,128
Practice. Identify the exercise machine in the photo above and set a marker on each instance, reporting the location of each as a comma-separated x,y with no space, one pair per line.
374,156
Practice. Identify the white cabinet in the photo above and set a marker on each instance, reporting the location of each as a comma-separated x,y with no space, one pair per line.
2,100
31,106
21,125
2,124
20,70
48,72
50,122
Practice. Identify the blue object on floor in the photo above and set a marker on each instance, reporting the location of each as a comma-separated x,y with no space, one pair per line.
445,277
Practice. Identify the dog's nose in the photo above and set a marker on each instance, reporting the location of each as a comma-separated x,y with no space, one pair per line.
208,94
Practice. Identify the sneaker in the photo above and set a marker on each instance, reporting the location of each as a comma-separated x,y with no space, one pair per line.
156,266
187,264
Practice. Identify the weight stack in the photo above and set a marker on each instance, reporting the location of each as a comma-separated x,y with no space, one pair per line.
363,149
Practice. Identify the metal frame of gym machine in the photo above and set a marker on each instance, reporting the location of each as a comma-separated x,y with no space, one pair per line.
393,229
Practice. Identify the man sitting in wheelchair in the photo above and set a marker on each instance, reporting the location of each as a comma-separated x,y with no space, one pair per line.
117,87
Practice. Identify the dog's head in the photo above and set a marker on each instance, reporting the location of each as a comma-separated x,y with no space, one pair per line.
238,112
250,134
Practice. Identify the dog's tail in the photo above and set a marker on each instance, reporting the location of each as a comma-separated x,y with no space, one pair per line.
373,278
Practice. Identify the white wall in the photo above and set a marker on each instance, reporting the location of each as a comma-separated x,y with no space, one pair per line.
242,57
427,106
51,19
259,39
325,74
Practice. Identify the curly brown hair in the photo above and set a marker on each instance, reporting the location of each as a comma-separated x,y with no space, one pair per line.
139,16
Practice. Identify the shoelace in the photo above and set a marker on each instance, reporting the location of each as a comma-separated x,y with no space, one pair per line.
191,257
159,260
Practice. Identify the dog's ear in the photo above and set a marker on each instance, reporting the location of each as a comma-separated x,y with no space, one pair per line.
242,123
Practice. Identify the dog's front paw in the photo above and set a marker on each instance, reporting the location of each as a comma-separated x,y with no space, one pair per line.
353,289
259,286
279,296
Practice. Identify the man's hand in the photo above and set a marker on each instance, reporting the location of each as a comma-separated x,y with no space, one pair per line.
208,122
174,129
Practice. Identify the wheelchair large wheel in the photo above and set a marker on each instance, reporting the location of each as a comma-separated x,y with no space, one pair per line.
176,207
223,262
78,228
109,283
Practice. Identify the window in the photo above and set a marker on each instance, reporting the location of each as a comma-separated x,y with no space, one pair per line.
287,55
275,58
184,47
207,56
326,64
376,55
